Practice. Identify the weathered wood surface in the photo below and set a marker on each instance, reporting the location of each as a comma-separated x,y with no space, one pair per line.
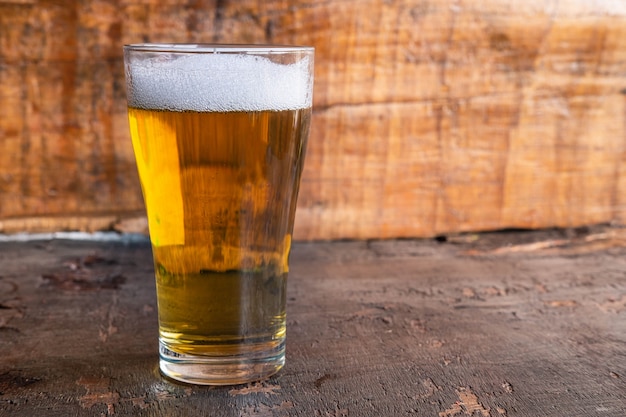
513,324
431,116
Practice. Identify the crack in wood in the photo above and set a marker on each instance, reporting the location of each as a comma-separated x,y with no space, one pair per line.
263,410
430,389
109,328
323,379
98,393
10,308
256,388
84,275
12,381
468,404
614,304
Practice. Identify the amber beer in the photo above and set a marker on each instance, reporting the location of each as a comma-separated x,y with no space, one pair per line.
220,184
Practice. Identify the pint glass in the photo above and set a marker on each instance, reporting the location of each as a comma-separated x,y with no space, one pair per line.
219,135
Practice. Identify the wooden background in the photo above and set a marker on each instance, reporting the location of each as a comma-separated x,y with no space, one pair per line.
430,116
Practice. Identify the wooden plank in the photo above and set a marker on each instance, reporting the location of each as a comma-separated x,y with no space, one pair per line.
429,117
508,324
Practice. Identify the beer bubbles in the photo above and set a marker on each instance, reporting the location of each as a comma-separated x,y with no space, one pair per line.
219,82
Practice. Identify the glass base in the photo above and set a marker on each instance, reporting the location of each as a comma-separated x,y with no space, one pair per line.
223,370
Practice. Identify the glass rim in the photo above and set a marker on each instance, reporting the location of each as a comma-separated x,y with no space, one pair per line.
215,48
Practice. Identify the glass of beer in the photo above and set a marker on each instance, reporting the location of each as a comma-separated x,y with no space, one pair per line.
219,134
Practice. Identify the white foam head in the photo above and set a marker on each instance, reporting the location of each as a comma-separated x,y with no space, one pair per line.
219,82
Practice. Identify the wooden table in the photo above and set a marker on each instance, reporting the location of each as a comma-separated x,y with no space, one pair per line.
503,324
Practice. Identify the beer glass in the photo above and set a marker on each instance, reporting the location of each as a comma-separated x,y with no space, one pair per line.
219,135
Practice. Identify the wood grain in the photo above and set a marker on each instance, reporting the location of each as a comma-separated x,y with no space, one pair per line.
506,324
430,116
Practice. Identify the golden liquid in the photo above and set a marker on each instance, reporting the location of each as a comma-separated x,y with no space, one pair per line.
220,192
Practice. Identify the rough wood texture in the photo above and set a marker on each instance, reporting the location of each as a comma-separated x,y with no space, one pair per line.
431,116
518,325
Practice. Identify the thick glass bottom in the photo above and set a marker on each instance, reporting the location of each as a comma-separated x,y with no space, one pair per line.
221,370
